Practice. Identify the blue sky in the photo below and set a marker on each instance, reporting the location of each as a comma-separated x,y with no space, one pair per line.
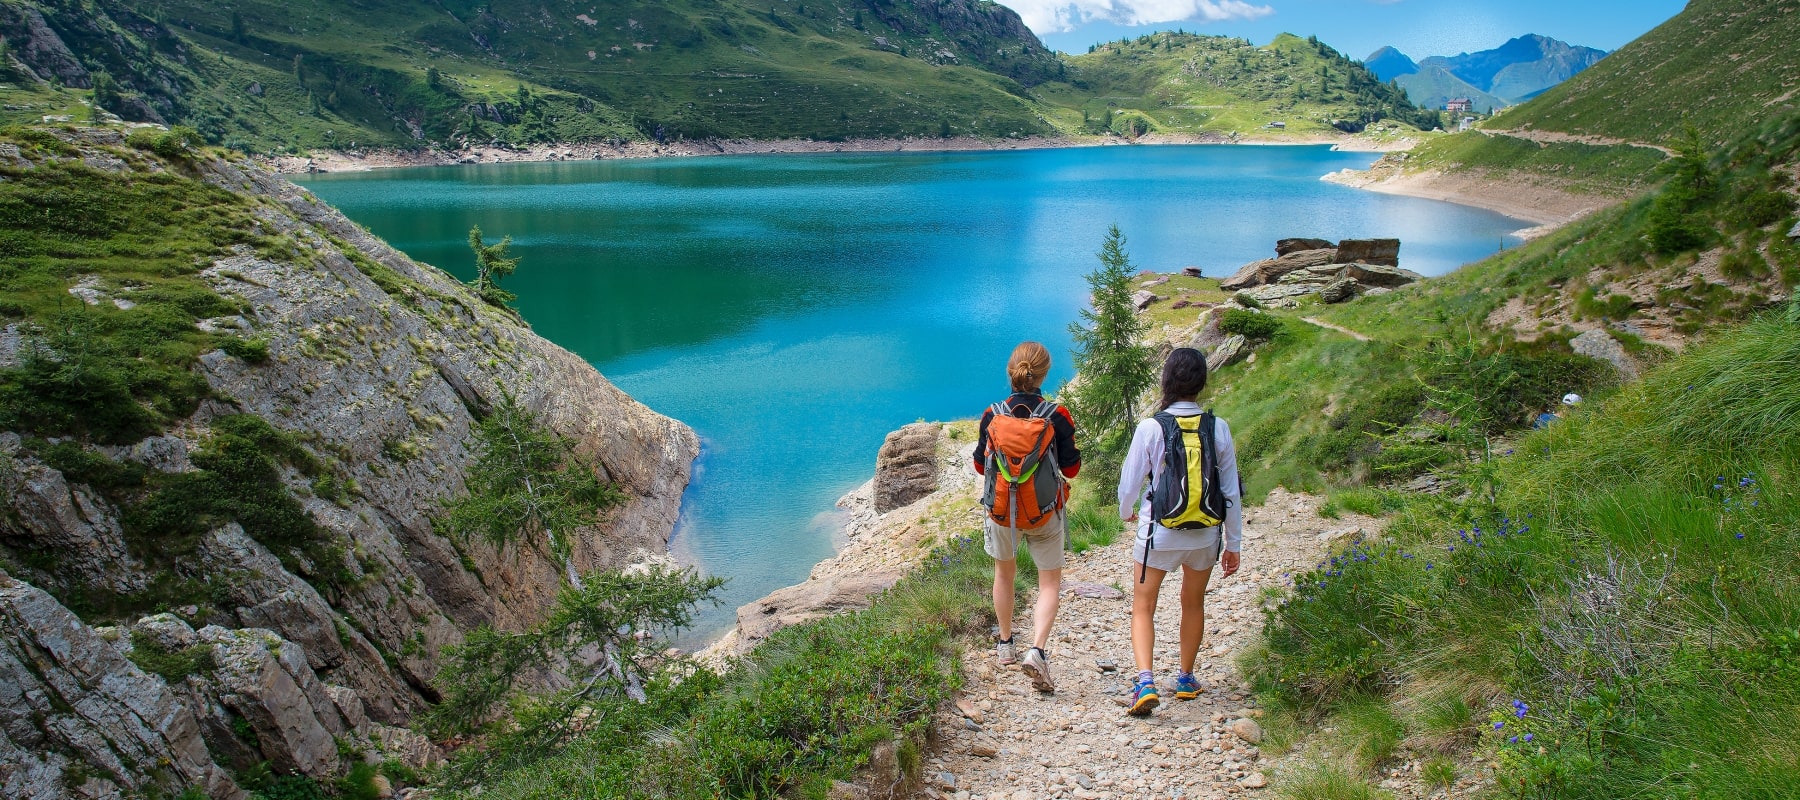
1355,27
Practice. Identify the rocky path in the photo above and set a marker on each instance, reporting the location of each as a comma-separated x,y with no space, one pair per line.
1004,741
1340,329
1558,137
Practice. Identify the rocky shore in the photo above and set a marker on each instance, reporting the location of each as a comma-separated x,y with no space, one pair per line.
370,159
1542,202
924,490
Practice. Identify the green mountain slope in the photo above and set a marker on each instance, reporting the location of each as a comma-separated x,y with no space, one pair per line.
1185,83
1432,86
1717,66
263,74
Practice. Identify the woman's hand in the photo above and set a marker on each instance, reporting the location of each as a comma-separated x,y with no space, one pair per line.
1229,562
1132,518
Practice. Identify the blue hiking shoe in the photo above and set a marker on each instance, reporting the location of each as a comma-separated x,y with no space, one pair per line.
1187,687
1145,700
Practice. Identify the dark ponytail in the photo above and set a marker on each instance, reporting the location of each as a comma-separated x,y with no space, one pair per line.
1183,376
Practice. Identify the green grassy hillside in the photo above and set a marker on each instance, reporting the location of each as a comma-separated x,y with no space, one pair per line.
262,74
1716,66
1185,83
1432,86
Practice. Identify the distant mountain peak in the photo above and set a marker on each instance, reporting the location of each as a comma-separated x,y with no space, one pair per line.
1389,63
1522,67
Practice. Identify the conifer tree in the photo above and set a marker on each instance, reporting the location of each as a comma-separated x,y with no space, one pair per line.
492,262
1114,364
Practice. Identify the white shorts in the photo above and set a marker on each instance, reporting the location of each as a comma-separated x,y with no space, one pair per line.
1200,559
1045,543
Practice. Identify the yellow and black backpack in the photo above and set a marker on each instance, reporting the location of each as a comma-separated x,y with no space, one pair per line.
1188,495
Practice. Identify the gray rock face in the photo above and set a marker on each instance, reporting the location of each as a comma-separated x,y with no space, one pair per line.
1230,351
353,372
1258,273
808,601
69,697
1385,252
1142,298
68,523
1286,246
39,47
1385,277
1338,291
1599,344
265,680
1794,232
906,467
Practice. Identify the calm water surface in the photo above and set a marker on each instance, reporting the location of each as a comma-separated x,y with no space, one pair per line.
794,309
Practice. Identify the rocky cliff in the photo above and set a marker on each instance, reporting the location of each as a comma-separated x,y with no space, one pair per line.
374,372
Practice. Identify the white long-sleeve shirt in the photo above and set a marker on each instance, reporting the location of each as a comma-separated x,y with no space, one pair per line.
1145,458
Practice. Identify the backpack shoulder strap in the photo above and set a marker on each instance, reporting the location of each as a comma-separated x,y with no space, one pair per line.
1044,410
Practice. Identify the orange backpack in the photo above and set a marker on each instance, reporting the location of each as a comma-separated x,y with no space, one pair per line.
1023,487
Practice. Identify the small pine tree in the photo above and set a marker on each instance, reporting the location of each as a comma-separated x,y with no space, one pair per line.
106,96
239,31
433,78
492,262
1114,364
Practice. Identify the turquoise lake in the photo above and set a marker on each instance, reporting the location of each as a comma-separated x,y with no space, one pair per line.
794,309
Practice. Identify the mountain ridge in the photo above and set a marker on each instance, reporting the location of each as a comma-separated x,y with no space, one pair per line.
1511,73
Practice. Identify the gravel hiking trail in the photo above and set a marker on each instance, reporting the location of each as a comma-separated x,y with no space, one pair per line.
1000,740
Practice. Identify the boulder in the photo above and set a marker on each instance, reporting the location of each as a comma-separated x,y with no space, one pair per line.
809,601
1142,299
1385,252
1284,291
1194,272
1258,273
1381,275
906,467
1339,290
1317,276
1286,246
1599,344
266,681
1229,352
1794,232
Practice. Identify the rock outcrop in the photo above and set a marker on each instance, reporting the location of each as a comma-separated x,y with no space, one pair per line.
1385,252
1353,267
379,368
906,468
72,704
1601,345
1338,291
1258,273
1286,246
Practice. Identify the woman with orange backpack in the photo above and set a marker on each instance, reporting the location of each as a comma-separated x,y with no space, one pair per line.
1190,517
1026,453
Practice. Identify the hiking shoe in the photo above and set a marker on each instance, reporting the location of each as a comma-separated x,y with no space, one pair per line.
1187,687
1003,653
1145,700
1037,666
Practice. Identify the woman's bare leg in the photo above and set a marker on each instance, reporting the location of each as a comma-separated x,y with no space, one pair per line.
1004,572
1193,613
1143,615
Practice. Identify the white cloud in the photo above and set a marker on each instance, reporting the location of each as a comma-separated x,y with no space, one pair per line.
1057,16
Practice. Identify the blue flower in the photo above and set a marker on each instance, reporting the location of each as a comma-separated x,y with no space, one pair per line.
1428,565
1740,536
1321,584
1527,737
1512,740
1499,725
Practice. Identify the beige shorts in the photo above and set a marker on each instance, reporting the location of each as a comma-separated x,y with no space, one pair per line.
1200,559
1045,543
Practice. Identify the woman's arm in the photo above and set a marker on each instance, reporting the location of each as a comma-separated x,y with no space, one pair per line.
1146,445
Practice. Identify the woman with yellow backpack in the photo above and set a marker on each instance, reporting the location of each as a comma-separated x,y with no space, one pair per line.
1026,453
1189,516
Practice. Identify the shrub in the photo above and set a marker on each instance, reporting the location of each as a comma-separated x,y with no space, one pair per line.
1761,209
1250,324
173,665
251,350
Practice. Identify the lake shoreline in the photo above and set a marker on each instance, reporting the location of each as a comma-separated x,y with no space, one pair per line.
1547,206
332,161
